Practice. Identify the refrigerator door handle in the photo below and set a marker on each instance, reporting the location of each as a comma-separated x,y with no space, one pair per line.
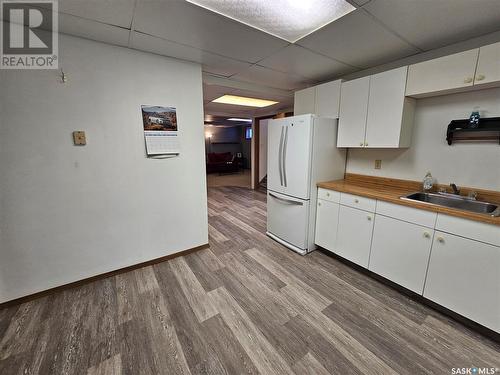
287,201
284,155
280,157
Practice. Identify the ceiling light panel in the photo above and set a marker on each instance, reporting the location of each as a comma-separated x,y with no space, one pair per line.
240,119
244,101
287,19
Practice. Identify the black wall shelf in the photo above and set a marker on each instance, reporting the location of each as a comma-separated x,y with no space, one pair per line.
487,130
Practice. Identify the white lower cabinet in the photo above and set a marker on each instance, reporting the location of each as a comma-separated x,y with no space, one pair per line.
464,276
327,218
415,249
400,252
354,235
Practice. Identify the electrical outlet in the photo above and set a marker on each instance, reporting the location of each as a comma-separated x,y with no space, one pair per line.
79,138
378,164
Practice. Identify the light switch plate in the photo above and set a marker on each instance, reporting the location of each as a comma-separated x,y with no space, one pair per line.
378,164
79,138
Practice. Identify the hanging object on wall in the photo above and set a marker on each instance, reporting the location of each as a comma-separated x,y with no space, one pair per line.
160,130
486,130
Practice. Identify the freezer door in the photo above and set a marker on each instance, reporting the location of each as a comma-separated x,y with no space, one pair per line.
288,218
289,155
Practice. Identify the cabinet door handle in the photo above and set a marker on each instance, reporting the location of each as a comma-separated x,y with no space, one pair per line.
468,80
356,201
327,194
369,218
440,239
319,203
480,77
366,144
361,144
427,235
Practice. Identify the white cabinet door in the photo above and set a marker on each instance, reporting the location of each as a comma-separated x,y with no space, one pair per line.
354,235
488,65
387,123
400,252
304,101
442,74
328,99
353,111
327,217
464,276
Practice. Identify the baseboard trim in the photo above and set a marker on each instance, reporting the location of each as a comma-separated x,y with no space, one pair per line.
87,280
485,331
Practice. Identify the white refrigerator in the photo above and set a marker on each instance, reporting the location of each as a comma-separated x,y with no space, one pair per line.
301,151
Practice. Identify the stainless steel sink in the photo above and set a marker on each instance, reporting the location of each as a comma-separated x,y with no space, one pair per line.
455,201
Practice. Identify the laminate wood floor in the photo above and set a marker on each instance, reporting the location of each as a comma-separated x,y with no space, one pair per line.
245,305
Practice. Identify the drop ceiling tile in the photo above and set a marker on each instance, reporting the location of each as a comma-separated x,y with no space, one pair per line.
93,30
359,40
435,24
300,61
271,78
186,23
211,63
114,12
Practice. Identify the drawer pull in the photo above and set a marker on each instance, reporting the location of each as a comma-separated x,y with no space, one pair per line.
327,194
356,201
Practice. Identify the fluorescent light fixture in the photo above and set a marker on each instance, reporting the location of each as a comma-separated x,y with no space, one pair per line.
244,101
240,119
287,19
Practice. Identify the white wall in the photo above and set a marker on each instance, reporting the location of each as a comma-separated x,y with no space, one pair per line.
263,148
69,212
466,164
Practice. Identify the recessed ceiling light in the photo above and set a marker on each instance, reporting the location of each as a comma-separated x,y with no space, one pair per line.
240,119
244,101
287,19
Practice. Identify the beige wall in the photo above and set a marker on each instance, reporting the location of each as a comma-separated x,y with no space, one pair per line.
66,212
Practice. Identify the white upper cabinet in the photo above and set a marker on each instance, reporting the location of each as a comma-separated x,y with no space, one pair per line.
304,101
353,112
442,75
322,100
328,99
488,65
375,113
390,114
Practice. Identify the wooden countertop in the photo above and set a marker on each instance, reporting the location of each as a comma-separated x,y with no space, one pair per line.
390,190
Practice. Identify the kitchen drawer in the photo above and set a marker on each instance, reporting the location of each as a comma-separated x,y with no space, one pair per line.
329,195
356,201
475,230
409,214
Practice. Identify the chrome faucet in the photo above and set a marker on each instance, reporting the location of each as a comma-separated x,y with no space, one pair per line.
456,190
